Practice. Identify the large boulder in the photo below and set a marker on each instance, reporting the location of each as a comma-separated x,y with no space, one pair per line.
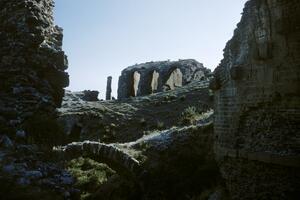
151,77
257,103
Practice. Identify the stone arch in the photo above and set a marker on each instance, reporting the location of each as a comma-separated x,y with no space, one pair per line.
120,161
175,79
136,76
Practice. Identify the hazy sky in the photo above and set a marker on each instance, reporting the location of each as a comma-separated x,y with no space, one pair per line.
102,37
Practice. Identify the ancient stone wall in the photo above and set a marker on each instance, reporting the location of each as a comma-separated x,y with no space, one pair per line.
32,63
152,77
257,103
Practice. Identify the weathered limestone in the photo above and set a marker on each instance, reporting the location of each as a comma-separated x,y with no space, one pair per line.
136,81
151,77
257,103
154,81
108,88
32,63
175,79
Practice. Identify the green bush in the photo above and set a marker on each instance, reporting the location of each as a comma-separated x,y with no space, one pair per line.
189,116
90,175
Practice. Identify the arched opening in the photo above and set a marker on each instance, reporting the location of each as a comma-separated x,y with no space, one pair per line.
135,83
154,81
174,80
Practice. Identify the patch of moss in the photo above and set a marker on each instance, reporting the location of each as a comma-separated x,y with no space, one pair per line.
90,175
189,116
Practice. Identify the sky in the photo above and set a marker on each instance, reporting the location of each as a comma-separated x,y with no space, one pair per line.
102,37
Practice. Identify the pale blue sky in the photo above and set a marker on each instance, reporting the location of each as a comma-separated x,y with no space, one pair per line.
102,37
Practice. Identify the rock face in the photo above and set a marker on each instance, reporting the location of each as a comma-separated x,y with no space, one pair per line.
152,77
108,88
32,63
257,104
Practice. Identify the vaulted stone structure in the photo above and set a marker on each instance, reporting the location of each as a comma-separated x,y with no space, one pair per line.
147,78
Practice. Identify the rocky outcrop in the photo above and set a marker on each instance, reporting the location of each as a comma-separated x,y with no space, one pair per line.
108,88
32,63
127,120
257,103
151,77
86,95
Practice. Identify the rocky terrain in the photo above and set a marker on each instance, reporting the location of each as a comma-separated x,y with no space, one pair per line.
129,119
187,153
176,131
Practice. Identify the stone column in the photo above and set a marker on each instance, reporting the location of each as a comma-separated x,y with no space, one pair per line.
108,88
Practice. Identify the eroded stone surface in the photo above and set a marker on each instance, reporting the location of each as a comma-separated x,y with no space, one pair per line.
175,79
136,83
257,103
154,81
32,63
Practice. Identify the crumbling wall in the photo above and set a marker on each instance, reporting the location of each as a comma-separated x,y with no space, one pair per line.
32,63
257,104
159,76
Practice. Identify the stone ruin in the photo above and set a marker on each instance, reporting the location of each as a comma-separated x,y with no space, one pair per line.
256,91
32,62
257,103
151,77
108,88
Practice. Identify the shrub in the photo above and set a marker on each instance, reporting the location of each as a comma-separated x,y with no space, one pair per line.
189,115
89,174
